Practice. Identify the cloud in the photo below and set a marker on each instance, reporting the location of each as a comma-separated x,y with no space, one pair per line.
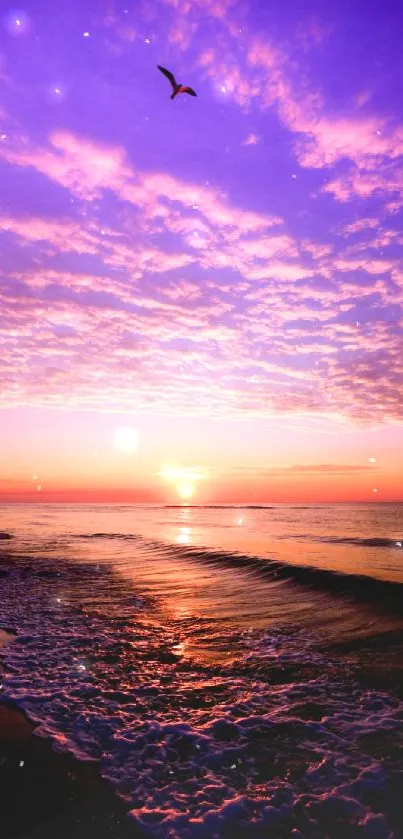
359,225
327,468
364,141
191,301
63,235
88,169
187,303
253,71
306,468
251,140
385,183
264,74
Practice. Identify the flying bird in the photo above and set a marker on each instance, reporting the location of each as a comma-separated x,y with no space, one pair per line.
177,88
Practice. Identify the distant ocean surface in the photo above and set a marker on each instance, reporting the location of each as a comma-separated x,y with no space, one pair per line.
237,671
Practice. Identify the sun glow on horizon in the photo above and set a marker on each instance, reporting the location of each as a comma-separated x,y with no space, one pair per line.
183,479
185,490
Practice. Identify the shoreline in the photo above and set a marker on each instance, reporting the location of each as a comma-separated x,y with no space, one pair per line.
48,794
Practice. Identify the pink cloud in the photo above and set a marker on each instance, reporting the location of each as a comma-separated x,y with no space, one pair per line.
363,184
270,77
325,139
183,289
287,271
318,250
86,169
251,140
78,165
364,141
327,468
269,246
267,75
63,235
209,8
361,224
240,338
162,378
218,233
371,266
187,17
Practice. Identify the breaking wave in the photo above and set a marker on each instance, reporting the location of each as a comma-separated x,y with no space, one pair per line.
360,586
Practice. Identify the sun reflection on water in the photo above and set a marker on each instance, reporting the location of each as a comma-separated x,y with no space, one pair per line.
183,537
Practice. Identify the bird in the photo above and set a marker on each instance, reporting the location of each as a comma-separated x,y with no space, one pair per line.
177,88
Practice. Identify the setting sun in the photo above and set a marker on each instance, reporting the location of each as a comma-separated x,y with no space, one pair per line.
183,478
185,490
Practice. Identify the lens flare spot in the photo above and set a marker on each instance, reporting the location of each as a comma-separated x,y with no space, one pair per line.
126,439
17,22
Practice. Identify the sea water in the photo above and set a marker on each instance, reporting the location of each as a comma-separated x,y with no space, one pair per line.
235,671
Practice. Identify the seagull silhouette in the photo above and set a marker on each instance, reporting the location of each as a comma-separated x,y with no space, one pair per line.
177,88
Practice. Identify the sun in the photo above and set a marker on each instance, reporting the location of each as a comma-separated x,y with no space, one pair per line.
185,490
183,478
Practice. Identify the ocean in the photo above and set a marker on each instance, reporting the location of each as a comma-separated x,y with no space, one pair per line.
236,671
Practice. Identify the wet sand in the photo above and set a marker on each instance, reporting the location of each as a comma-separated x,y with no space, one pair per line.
45,794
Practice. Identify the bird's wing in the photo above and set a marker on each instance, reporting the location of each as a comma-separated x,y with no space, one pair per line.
188,90
169,75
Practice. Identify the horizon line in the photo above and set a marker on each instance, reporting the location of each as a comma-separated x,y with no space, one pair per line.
244,505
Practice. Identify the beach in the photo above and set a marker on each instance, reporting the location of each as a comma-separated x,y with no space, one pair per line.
45,794
195,692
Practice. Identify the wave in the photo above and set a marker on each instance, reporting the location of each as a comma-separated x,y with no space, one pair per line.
132,537
365,541
360,541
359,586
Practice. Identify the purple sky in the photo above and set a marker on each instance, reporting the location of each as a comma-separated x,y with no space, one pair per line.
222,273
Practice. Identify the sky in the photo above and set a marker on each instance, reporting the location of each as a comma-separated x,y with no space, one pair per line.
201,299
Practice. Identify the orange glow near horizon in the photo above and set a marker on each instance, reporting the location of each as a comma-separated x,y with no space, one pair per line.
83,458
280,488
